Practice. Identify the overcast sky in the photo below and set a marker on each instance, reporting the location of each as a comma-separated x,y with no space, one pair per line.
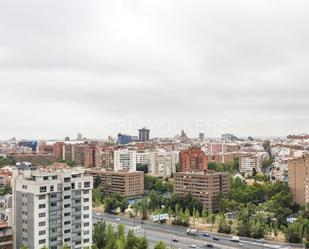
103,67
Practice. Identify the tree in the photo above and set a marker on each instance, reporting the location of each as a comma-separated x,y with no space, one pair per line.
160,245
99,235
65,247
293,233
24,247
44,247
97,196
142,167
97,182
131,240
142,243
204,215
5,161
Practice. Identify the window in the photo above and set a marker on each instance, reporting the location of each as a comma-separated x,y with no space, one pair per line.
86,208
77,201
66,188
43,189
51,188
41,215
42,197
67,205
42,223
86,240
86,184
53,239
42,206
67,239
67,222
53,230
86,232
67,197
53,204
67,231
86,199
73,185
86,224
45,178
86,216
42,241
67,179
24,186
67,214
86,192
54,177
42,232
53,196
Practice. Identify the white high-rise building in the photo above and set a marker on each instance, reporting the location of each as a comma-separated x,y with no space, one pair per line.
53,208
162,163
142,157
125,160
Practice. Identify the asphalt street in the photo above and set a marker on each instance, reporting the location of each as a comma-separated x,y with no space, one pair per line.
176,237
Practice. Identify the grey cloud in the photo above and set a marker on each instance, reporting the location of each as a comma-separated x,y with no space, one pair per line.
68,62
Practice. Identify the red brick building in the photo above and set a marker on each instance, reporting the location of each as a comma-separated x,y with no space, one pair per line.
193,159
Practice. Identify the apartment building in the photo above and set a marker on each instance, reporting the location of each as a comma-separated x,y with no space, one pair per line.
53,208
6,236
298,179
162,163
107,157
142,157
125,159
193,159
204,186
250,160
86,154
128,184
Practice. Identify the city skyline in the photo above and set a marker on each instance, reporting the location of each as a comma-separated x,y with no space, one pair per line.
67,68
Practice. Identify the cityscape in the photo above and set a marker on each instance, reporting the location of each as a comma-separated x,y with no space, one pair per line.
180,192
154,124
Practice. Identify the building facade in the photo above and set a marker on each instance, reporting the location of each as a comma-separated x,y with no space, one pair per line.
162,163
128,184
6,236
204,186
125,160
53,208
193,159
298,179
143,134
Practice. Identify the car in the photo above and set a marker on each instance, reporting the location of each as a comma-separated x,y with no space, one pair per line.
206,234
210,245
216,238
192,246
175,240
98,214
118,219
241,244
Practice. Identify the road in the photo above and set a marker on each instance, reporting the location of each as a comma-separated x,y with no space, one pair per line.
167,233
